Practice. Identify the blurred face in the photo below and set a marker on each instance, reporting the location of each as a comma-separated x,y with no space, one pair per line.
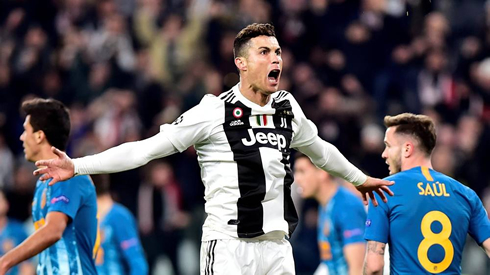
263,64
161,175
306,176
30,141
392,152
4,206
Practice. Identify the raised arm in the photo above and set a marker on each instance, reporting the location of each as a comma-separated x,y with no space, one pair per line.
123,157
327,157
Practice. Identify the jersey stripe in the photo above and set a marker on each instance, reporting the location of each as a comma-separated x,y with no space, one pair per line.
49,264
207,258
229,100
62,253
426,173
41,264
251,176
211,271
79,263
225,94
281,95
229,97
210,258
283,119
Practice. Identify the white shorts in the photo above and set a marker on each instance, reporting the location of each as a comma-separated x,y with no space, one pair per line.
247,257
322,269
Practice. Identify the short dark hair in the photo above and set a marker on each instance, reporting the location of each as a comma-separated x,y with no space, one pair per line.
102,184
299,155
421,127
249,32
50,116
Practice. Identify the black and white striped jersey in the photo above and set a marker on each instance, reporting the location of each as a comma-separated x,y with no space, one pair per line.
243,150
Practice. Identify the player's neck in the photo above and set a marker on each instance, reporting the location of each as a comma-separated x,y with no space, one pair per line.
256,96
326,193
416,161
45,153
104,205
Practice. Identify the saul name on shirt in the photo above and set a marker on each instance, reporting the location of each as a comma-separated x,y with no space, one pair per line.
436,189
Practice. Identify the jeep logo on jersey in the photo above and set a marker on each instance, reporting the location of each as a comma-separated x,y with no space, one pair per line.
276,140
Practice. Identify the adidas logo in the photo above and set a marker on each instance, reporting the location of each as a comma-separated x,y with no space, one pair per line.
236,123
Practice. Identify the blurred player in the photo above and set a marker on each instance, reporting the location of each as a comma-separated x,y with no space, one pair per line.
64,214
120,250
12,233
243,140
426,223
341,218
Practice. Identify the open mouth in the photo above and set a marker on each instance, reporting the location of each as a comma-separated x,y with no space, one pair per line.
273,75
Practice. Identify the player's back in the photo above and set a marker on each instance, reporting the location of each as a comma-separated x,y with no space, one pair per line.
73,253
429,218
340,223
120,251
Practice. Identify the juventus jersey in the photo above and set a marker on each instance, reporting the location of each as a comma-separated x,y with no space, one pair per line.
243,150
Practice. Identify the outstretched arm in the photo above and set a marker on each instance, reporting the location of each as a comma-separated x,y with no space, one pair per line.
44,237
327,157
374,260
126,156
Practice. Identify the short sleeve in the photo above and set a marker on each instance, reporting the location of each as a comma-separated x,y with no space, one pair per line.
479,227
127,236
305,131
65,197
351,223
195,125
128,241
377,223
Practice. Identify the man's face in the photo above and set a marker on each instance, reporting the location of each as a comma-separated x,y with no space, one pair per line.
306,176
392,151
264,64
29,141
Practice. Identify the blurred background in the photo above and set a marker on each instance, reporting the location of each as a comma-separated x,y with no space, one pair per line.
124,67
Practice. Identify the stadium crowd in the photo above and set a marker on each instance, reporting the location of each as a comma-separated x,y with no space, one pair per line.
125,67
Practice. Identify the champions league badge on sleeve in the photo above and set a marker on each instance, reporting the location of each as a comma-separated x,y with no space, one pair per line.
178,120
60,199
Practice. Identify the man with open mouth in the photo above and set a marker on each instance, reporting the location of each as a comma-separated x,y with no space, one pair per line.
243,139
